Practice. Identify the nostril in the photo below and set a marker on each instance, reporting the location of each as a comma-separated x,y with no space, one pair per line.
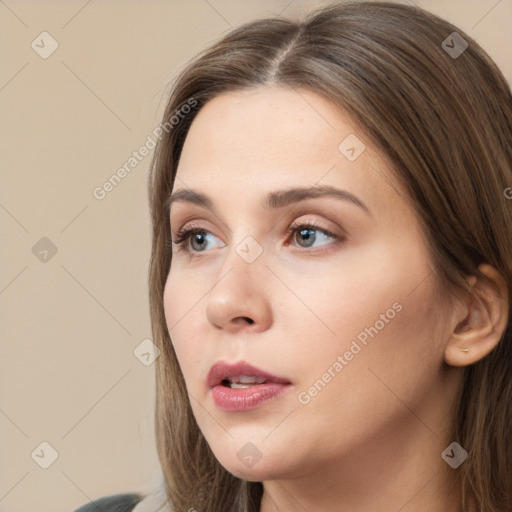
241,320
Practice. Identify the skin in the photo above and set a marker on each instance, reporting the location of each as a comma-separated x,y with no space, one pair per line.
371,439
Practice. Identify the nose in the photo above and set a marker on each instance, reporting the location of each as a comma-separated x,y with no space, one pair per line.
239,300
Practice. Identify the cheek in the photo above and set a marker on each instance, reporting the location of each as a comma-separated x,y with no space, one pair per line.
351,291
395,267
388,326
181,297
379,294
389,364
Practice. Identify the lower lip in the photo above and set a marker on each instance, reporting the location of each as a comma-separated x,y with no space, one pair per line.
241,400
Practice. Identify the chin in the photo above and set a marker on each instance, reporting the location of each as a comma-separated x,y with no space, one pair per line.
267,467
257,473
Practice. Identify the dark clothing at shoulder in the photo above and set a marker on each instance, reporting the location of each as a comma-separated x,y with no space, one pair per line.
114,503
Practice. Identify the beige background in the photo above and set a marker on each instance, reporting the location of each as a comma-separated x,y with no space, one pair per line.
70,325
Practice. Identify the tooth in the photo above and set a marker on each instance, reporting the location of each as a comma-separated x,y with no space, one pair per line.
243,379
234,385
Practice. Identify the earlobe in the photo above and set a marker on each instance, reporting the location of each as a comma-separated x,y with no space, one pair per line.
484,321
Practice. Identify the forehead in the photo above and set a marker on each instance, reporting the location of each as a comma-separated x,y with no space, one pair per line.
252,141
269,129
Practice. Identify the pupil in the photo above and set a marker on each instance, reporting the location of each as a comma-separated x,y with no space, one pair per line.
308,235
198,237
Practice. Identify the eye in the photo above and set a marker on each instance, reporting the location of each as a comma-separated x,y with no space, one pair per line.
197,235
305,234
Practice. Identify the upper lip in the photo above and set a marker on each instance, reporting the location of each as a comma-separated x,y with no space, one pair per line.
222,370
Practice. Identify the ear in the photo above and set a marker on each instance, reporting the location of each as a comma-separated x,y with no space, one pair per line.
482,321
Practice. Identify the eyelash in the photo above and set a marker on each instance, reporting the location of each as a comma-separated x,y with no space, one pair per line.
185,233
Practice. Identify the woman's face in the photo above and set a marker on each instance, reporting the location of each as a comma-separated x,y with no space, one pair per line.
345,311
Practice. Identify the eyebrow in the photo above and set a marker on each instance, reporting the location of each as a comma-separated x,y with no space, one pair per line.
277,199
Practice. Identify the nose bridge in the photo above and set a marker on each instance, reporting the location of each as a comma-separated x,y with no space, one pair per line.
244,250
243,262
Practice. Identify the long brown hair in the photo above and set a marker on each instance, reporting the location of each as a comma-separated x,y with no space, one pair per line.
444,121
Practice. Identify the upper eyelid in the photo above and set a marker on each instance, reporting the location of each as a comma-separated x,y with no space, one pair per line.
331,218
296,210
195,225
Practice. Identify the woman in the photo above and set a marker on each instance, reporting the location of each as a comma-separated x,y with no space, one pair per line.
331,269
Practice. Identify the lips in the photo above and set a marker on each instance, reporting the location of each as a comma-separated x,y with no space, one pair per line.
222,371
